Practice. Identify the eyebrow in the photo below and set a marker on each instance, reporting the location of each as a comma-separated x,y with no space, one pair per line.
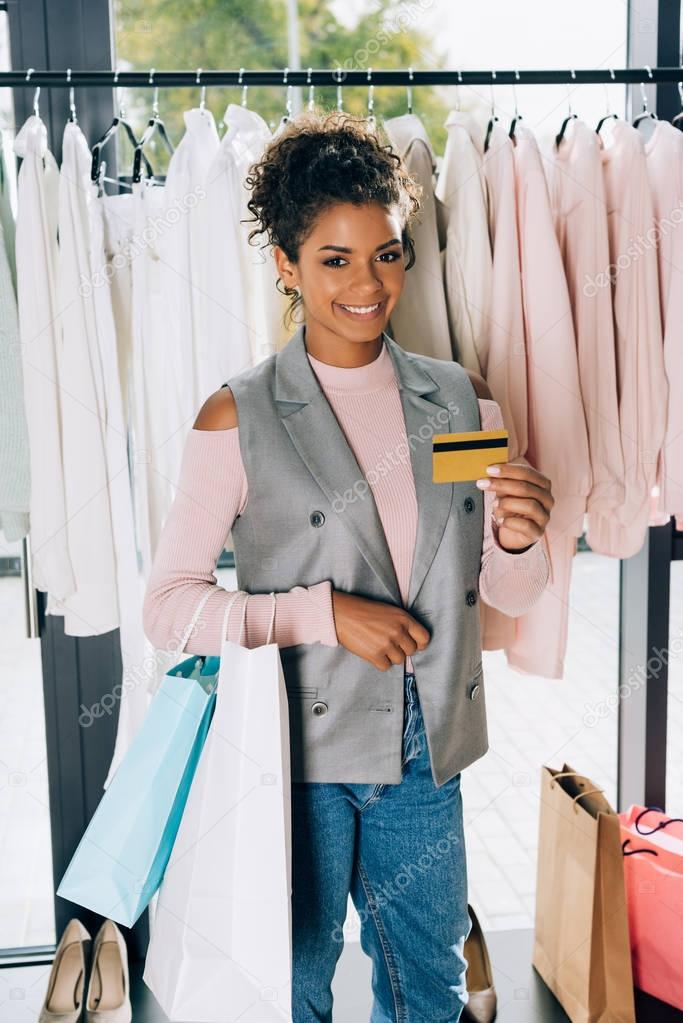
342,248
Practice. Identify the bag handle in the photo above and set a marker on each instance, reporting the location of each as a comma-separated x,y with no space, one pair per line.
633,852
271,629
195,617
577,774
231,601
244,617
588,792
660,826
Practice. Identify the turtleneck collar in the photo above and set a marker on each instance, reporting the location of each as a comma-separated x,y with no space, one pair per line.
356,379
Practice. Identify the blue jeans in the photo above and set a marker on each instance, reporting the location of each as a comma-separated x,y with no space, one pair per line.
399,850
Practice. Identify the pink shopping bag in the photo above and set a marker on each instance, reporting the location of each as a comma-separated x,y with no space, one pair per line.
652,845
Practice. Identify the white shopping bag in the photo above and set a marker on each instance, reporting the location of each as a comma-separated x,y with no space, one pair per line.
221,936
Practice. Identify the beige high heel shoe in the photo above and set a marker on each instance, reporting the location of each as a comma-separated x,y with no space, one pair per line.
108,999
64,999
482,1004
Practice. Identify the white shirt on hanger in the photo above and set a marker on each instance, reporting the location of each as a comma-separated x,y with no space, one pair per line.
228,347
159,420
186,257
245,141
36,256
93,608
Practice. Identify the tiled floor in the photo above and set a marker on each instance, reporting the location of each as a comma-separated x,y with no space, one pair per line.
521,994
532,721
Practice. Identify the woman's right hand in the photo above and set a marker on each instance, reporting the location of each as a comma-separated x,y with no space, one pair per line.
380,633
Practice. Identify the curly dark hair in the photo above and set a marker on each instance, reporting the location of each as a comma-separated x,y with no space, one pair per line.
319,159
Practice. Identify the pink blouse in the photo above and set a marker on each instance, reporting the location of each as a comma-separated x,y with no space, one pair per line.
366,401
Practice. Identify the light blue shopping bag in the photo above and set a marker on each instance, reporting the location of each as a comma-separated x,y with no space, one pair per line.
120,860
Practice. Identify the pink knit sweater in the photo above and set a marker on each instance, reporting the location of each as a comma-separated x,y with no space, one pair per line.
212,491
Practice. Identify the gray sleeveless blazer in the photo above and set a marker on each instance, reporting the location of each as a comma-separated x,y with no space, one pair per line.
311,516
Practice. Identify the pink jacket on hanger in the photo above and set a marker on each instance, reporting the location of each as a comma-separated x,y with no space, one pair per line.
505,369
468,265
641,380
664,161
558,437
577,195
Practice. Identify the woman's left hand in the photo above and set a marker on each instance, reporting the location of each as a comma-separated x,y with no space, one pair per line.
522,501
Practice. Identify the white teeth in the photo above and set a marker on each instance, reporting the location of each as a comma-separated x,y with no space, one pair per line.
361,308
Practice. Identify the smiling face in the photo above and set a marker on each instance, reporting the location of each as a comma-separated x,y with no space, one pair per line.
350,270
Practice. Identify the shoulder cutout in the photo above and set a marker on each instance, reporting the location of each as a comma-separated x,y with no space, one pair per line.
218,412
481,388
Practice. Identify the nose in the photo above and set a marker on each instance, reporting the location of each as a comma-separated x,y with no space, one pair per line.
367,281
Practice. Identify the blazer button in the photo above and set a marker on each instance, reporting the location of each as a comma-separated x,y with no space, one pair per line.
474,691
319,708
316,518
469,504
471,597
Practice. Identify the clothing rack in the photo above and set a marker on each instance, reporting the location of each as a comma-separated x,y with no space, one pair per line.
338,76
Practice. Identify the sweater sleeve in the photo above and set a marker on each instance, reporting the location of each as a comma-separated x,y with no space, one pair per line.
508,581
201,516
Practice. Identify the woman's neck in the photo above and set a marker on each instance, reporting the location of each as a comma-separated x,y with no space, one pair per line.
333,350
371,376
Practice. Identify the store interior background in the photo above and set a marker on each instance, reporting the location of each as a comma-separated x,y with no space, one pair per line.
532,721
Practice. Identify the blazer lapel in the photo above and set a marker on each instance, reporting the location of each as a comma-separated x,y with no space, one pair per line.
423,418
318,438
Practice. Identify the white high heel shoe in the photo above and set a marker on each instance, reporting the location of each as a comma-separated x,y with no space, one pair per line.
108,999
64,999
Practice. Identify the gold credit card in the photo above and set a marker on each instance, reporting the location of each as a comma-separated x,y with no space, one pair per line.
458,457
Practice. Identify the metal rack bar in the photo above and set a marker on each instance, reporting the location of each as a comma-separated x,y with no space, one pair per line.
336,76
645,578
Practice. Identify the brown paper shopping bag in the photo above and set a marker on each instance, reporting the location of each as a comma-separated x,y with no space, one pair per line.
581,940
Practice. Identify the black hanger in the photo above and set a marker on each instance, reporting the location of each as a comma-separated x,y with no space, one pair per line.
645,114
118,121
602,120
155,124
101,143
492,118
570,116
608,113
518,117
561,133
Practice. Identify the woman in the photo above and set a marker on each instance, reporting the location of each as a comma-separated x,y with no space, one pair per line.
319,461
